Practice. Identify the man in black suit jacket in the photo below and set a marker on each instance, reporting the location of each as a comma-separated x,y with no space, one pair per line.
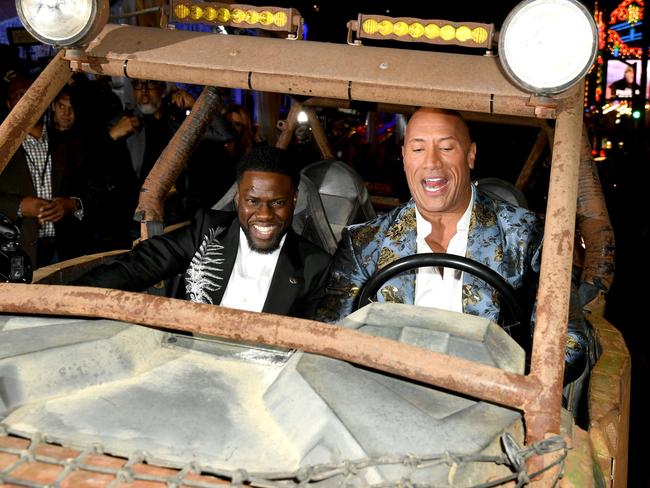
250,260
40,191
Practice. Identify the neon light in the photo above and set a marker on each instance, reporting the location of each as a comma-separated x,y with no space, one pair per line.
627,11
618,48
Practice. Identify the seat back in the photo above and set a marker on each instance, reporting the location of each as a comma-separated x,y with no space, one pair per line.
504,190
343,193
309,217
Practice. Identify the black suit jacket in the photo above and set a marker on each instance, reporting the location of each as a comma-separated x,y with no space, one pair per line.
16,183
205,252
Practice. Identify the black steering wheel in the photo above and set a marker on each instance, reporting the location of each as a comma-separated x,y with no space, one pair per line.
506,291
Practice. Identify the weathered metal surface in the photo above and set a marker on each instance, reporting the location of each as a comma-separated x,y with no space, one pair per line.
609,399
288,126
549,340
579,469
532,160
593,223
239,406
172,160
318,133
32,106
377,74
432,368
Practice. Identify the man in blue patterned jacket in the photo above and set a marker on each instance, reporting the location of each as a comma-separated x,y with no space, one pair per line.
447,214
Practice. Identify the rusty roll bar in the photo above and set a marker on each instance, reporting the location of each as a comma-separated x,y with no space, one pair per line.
32,106
171,161
549,339
288,126
481,381
594,224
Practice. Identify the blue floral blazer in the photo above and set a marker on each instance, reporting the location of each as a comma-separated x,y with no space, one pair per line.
502,236
505,238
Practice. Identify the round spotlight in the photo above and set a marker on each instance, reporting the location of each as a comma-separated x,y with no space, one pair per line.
63,23
546,46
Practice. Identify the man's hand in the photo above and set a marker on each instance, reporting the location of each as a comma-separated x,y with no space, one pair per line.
127,125
58,208
33,206
182,99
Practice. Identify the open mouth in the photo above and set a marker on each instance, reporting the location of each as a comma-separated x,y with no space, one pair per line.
434,185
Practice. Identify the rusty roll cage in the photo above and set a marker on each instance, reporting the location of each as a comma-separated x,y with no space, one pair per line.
373,74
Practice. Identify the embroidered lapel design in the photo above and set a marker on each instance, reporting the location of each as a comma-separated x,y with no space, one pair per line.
398,242
205,272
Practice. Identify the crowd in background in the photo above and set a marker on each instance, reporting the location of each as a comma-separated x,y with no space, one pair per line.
109,133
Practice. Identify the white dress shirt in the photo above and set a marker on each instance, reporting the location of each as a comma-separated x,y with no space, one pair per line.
251,277
433,289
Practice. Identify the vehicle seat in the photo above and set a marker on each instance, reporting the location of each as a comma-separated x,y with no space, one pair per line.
309,217
504,190
343,193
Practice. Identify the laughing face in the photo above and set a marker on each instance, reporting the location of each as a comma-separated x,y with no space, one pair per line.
438,156
265,203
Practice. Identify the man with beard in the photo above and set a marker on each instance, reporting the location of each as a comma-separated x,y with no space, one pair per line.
141,135
251,260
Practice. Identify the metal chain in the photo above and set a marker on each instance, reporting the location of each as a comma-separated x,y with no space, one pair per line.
513,456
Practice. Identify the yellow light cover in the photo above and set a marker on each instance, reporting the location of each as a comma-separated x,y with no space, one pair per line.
237,16
416,30
463,33
266,17
431,31
447,32
223,15
210,14
385,27
479,35
181,11
196,12
400,29
370,26
252,17
280,19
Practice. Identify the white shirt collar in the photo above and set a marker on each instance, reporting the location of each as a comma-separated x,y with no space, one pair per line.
462,226
251,276
431,288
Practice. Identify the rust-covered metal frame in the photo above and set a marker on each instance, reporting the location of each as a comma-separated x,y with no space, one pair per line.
461,82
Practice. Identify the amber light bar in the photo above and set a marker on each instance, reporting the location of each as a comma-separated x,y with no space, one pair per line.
409,29
238,15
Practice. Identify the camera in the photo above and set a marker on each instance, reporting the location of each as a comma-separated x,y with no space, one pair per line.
15,265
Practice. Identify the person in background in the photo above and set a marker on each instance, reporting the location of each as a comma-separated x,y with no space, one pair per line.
41,191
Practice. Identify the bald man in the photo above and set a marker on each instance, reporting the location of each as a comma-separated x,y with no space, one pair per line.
446,214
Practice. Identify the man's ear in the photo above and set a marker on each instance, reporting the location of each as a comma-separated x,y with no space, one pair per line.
235,201
295,198
471,155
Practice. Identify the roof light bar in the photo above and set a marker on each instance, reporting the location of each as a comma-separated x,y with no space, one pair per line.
409,29
239,15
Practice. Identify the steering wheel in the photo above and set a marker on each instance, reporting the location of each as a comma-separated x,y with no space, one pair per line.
506,291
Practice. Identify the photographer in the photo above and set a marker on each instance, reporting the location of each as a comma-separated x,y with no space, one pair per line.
142,133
